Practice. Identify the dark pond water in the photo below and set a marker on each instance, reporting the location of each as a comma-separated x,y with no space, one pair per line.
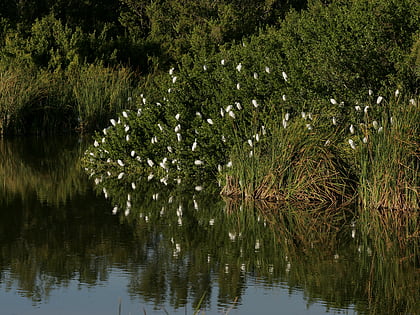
70,244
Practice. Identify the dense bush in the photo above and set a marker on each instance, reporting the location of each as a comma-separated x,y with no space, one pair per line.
275,125
349,47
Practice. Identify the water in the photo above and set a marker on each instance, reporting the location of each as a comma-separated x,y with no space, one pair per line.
176,250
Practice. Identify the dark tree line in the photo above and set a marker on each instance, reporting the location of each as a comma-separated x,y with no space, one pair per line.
167,29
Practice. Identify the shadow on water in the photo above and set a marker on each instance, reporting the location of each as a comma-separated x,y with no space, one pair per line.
182,246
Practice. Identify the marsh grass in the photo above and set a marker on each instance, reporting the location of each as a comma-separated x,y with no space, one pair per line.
389,163
293,165
99,93
82,98
19,89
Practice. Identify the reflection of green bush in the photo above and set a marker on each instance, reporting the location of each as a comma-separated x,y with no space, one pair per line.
51,169
177,243
311,249
229,243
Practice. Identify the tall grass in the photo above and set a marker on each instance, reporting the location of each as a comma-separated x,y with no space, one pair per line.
377,159
99,93
83,98
19,89
297,162
390,161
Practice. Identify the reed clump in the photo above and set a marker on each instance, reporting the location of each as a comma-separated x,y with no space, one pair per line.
81,98
389,163
19,89
99,93
293,165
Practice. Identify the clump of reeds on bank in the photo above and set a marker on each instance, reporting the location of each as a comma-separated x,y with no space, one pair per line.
82,98
99,93
372,156
18,89
389,157
298,163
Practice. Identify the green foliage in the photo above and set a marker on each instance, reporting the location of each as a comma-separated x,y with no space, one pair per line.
188,27
51,45
344,48
230,108
199,112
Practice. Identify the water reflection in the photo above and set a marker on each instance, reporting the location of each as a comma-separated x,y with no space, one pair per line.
178,246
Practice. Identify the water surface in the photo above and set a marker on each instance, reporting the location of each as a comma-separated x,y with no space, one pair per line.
74,244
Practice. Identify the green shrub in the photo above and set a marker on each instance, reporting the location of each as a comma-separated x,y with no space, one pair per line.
342,49
216,110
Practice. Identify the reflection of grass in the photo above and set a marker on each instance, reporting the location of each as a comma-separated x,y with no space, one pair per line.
54,177
236,241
